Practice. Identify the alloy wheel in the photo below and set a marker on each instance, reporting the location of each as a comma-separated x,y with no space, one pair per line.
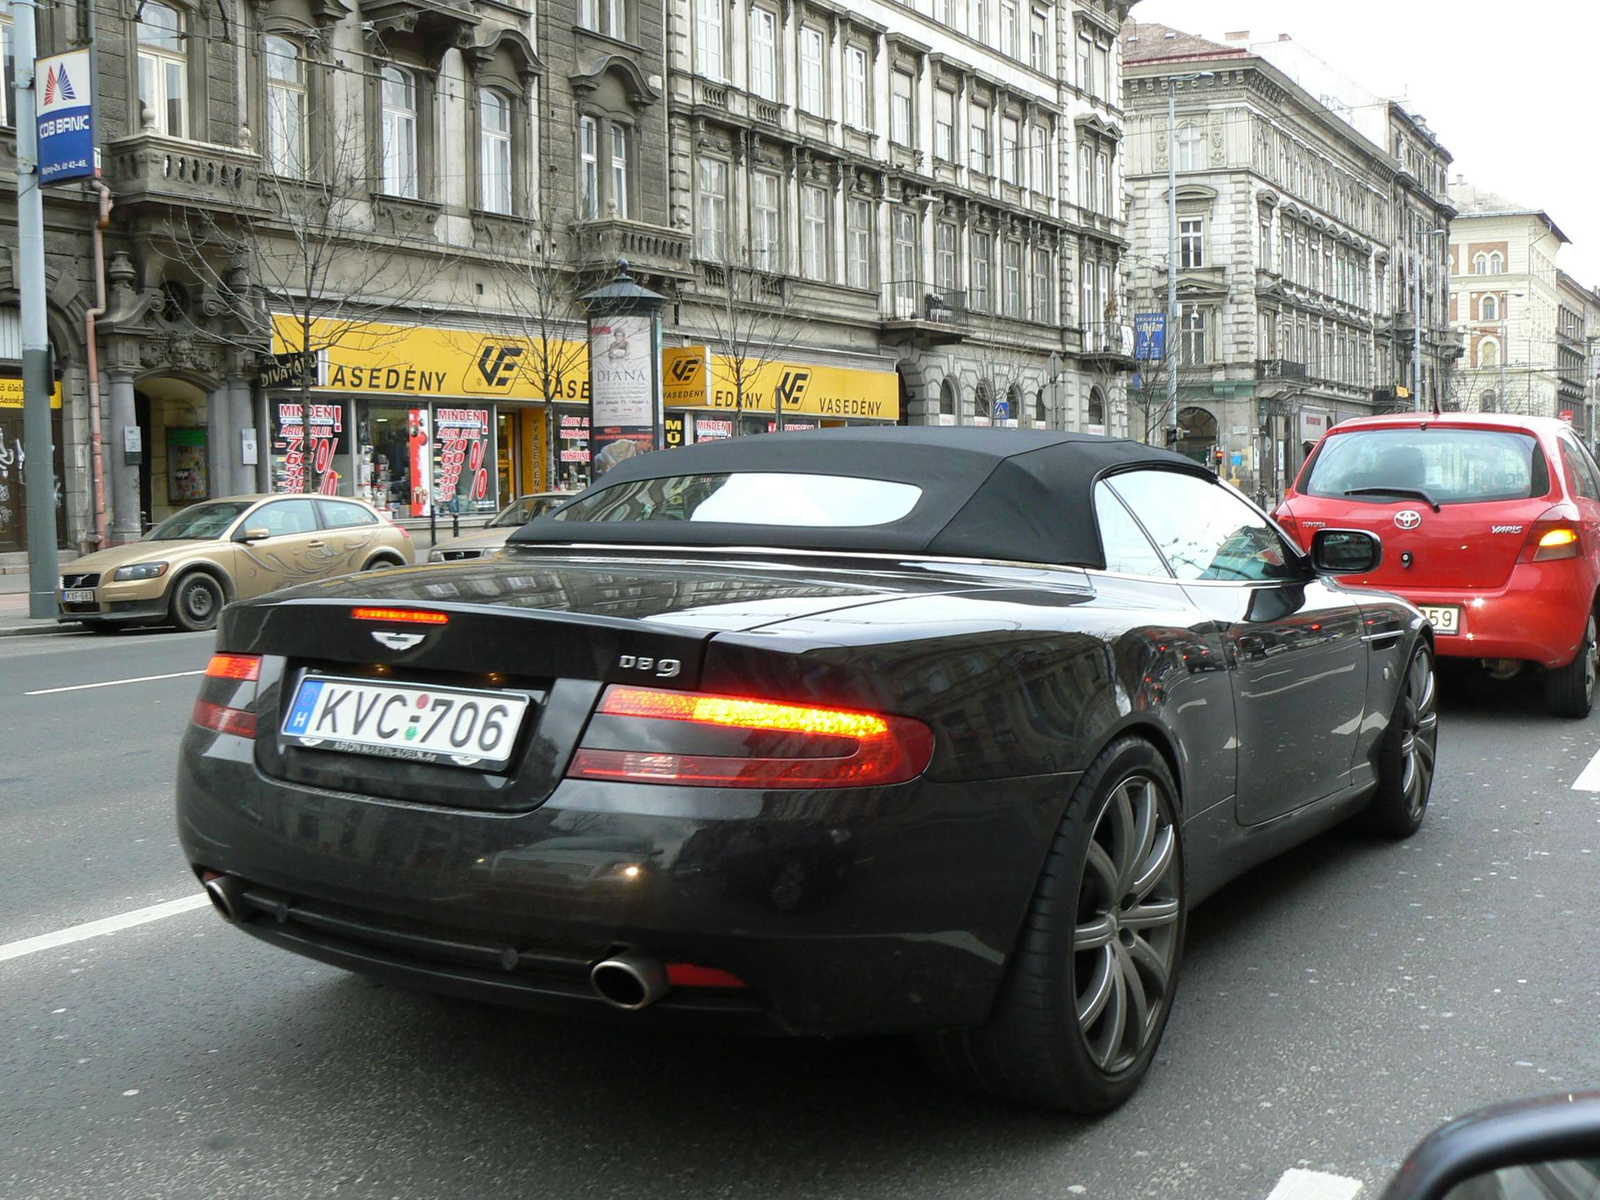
1126,935
1591,661
1419,739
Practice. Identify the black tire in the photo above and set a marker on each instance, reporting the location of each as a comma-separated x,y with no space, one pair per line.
381,563
197,601
1034,1047
1569,690
1409,750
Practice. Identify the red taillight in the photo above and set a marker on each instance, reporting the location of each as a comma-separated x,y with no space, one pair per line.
400,616
694,975
1554,535
784,745
234,666
221,719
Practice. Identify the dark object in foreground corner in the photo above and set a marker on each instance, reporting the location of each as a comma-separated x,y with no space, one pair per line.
1547,1148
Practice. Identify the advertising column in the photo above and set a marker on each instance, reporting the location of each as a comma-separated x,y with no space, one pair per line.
624,380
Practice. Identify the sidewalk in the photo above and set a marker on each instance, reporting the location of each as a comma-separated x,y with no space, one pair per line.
15,622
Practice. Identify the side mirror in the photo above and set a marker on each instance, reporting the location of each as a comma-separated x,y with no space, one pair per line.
254,535
1345,552
1548,1148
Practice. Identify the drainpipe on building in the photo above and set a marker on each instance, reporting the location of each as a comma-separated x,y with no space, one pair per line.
96,434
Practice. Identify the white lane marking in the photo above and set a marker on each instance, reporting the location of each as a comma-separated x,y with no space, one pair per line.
83,687
1589,780
1314,1185
78,933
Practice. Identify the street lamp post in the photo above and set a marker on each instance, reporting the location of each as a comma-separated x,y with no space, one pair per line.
1416,320
1172,239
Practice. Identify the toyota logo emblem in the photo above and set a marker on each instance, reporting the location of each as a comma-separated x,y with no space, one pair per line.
1408,518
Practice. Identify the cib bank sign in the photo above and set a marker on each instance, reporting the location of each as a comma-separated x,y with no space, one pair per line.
65,85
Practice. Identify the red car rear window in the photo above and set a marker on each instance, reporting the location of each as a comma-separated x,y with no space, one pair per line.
1448,466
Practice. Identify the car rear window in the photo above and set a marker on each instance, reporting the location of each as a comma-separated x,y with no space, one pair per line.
750,498
1448,466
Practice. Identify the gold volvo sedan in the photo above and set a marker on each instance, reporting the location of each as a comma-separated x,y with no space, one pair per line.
185,569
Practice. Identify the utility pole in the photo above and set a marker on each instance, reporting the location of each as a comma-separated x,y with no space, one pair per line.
1172,252
1416,337
44,565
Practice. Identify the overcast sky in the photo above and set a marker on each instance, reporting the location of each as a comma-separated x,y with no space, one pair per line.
1508,88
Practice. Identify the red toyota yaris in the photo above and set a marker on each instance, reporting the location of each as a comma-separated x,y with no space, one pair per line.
1490,524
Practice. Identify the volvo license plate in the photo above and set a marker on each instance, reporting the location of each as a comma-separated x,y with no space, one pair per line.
453,726
1445,618
78,596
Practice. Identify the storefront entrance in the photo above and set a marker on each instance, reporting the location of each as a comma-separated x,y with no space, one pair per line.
13,487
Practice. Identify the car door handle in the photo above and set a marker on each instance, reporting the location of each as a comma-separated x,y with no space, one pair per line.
1388,635
316,545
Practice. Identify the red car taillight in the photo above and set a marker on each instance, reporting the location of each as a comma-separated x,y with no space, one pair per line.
228,695
649,735
1554,535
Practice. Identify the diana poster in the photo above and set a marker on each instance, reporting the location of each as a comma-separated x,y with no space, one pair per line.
622,390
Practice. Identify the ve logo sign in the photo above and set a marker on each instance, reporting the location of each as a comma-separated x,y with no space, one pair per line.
498,364
685,369
792,388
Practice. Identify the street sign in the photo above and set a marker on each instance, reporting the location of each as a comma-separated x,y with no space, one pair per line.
1566,415
66,118
1150,336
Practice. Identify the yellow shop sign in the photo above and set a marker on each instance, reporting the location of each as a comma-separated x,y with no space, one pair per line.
696,379
423,360
11,394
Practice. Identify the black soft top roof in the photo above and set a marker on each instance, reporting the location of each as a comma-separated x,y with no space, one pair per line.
1010,494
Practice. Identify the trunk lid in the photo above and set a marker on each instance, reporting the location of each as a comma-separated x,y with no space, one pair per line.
552,630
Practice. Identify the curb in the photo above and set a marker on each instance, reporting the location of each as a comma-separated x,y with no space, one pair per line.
37,630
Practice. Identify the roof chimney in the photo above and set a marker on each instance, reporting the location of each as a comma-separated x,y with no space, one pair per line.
1242,35
1284,37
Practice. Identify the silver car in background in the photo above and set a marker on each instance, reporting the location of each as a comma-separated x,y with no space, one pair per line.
493,535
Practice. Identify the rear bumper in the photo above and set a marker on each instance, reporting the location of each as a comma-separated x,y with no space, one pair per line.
1538,616
860,911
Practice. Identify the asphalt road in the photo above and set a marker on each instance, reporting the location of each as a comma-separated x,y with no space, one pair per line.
1335,1006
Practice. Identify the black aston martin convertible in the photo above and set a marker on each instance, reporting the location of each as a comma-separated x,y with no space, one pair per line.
938,731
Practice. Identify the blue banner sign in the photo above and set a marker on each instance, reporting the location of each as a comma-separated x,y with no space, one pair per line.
65,84
1150,336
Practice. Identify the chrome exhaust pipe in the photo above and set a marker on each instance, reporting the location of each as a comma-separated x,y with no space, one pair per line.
225,894
629,981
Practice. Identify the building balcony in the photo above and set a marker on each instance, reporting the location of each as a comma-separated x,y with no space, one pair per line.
151,168
1108,346
1280,369
924,313
1452,345
649,249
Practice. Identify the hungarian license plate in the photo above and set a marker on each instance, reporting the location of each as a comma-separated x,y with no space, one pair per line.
452,726
1445,618
78,596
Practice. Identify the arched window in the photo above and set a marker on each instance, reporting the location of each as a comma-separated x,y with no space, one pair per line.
948,396
399,132
1014,403
1191,147
1489,309
286,107
983,403
1488,353
1497,263
1486,402
1480,263
1041,414
1097,411
494,151
163,70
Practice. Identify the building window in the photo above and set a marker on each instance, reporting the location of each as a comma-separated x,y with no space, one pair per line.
1191,244
1085,177
1010,29
1264,249
944,125
617,19
589,168
1086,64
814,231
766,228
589,14
713,208
1011,279
945,256
619,171
764,53
1102,183
1191,147
859,262
1497,263
982,249
1039,160
708,38
1106,303
399,128
494,151
8,65
1039,42
1489,309
900,124
1040,285
286,108
1086,295
945,12
855,87
1192,336
907,262
1488,353
980,20
1010,150
811,90
980,141
163,69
